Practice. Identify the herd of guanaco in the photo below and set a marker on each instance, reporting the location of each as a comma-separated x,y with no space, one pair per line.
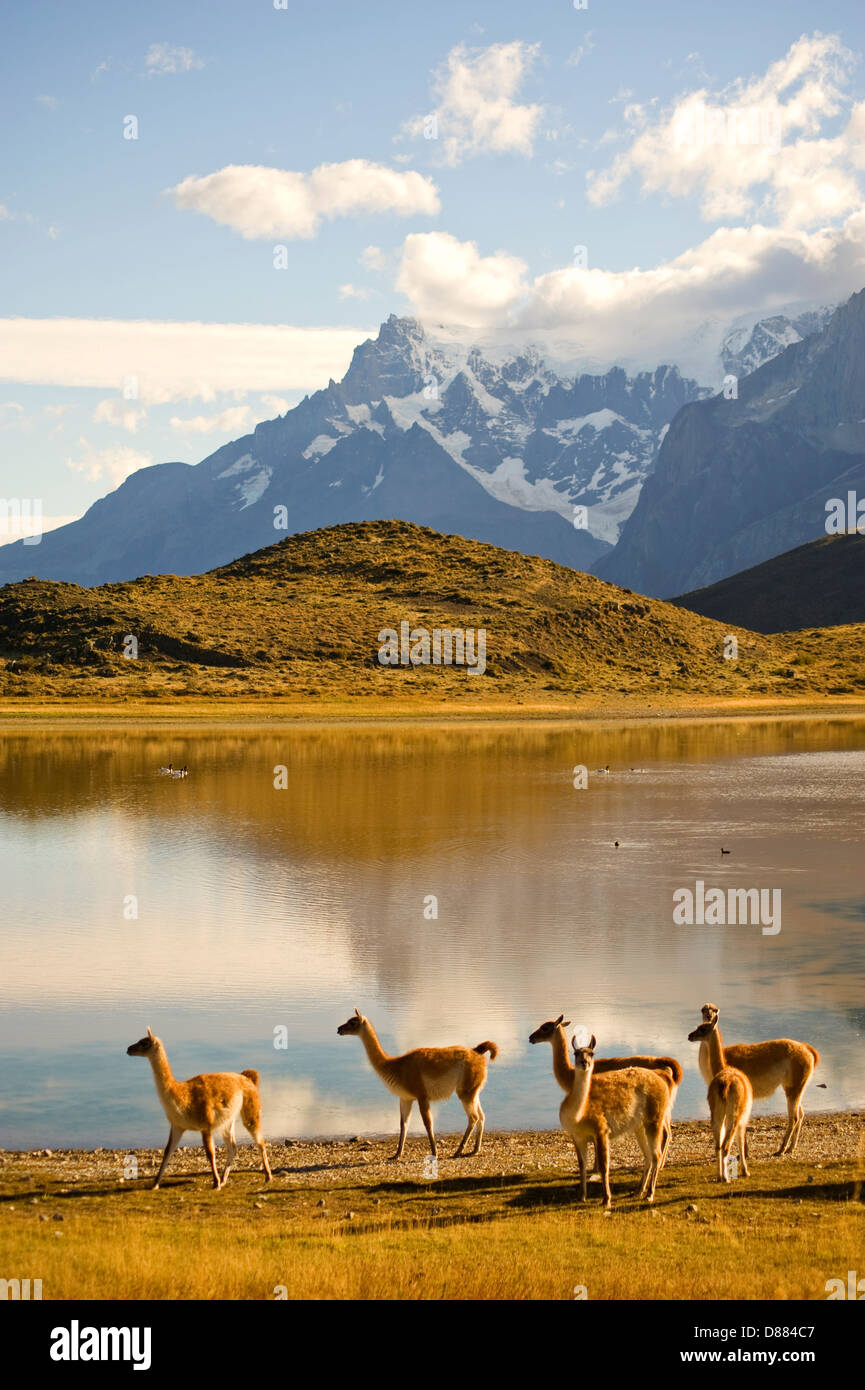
605,1097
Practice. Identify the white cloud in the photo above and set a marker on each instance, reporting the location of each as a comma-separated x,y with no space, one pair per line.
349,291
277,405
260,202
476,111
50,103
795,190
373,258
449,280
755,148
173,361
13,416
124,414
162,58
227,421
574,59
98,71
11,215
636,315
112,465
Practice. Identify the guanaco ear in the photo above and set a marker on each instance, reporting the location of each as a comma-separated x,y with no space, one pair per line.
150,1034
565,1024
357,1012
560,1019
593,1044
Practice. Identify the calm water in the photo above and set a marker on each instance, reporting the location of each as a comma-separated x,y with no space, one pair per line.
260,909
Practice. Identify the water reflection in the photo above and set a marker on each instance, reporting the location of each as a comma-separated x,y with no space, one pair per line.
259,907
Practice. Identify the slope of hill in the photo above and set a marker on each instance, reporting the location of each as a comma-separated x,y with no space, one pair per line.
303,618
739,481
821,584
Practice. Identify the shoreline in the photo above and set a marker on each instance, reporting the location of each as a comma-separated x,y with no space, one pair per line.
835,1134
264,713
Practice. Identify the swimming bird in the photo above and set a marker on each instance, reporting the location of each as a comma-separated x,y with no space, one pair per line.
603,771
725,851
181,772
616,846
166,771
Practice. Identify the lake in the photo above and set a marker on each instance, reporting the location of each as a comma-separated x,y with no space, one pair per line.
230,914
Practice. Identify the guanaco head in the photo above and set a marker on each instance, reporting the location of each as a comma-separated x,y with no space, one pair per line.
548,1030
710,1013
705,1029
352,1025
143,1047
584,1057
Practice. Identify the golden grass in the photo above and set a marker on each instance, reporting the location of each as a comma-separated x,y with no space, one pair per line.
776,1236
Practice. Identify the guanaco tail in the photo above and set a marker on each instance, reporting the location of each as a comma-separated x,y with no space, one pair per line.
627,1100
210,1104
425,1075
554,1032
730,1098
768,1065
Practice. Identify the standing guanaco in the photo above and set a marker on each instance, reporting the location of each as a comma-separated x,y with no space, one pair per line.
768,1065
629,1100
208,1103
427,1074
730,1098
553,1031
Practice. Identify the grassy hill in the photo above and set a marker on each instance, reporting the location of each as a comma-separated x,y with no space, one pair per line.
300,620
821,584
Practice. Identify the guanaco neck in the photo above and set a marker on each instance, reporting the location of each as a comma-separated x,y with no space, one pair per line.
162,1074
715,1051
375,1052
563,1067
578,1096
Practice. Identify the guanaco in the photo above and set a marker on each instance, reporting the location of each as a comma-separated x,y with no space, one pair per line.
629,1100
730,1098
554,1031
425,1075
207,1103
768,1065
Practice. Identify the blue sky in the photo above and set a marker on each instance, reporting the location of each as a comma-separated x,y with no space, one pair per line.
553,130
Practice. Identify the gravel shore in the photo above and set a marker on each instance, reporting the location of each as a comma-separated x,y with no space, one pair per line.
826,1138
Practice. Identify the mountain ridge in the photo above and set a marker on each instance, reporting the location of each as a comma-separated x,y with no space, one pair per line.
820,584
737,481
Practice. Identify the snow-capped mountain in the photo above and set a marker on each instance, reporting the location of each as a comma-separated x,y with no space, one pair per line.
496,451
747,347
494,447
738,481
